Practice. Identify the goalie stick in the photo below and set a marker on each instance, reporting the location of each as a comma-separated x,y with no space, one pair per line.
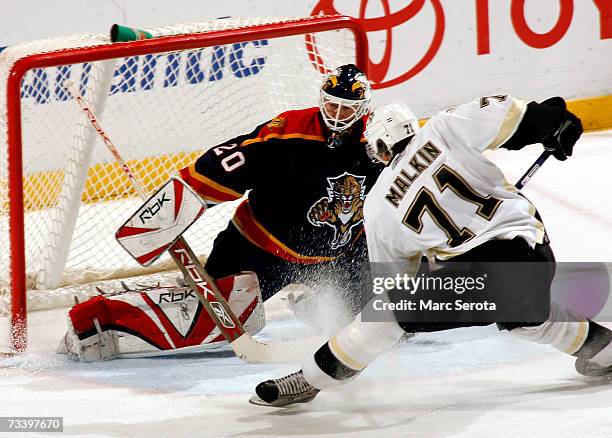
197,278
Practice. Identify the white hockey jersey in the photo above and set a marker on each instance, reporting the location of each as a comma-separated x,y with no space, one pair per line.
441,196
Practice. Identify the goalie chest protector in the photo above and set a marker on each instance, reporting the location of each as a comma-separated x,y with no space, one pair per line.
305,197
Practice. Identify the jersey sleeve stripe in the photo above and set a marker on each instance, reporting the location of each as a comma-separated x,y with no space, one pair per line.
255,233
282,137
342,355
539,226
207,188
510,123
581,335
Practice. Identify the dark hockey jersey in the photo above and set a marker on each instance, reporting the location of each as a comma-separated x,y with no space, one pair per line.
305,201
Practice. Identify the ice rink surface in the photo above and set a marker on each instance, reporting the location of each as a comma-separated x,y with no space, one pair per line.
475,382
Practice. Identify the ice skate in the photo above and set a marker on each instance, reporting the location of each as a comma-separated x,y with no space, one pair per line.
284,391
594,359
593,369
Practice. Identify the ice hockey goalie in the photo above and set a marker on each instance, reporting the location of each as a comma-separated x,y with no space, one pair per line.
157,320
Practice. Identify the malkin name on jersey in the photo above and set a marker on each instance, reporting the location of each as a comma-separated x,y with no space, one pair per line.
419,162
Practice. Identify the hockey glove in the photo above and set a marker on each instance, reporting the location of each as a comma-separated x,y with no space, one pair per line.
562,140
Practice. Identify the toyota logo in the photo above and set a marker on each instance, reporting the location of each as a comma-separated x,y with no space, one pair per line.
379,71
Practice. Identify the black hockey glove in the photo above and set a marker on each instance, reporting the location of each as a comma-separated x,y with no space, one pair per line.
562,140
549,123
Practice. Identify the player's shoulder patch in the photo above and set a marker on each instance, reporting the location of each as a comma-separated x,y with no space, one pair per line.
277,122
294,124
297,123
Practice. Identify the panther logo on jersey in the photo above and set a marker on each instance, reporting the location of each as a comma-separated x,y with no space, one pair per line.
342,209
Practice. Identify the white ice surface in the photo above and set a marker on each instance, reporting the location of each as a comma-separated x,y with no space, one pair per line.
474,382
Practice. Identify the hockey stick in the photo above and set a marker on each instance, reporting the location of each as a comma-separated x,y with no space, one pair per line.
532,169
196,276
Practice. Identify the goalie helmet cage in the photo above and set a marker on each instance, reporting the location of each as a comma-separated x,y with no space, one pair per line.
162,101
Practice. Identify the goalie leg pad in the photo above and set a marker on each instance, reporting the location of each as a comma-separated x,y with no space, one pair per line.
157,321
97,346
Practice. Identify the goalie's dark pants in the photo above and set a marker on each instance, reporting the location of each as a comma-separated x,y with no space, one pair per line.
518,277
233,253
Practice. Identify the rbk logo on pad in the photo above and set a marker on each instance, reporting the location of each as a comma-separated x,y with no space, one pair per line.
153,209
174,297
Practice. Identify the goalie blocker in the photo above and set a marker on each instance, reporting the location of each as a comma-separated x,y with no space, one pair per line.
160,221
158,320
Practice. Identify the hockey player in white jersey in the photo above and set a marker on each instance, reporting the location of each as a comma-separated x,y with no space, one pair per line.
441,197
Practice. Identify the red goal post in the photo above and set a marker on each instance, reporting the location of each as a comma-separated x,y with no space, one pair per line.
54,181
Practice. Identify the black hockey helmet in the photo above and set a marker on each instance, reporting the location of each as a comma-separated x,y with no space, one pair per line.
345,97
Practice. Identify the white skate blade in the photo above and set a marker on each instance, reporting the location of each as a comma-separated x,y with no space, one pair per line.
284,402
255,400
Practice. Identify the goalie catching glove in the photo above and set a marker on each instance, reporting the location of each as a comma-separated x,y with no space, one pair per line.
157,321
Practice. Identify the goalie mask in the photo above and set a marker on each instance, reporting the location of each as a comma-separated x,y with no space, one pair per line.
344,97
389,130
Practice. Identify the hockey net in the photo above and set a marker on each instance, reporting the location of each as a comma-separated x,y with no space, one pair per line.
162,101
